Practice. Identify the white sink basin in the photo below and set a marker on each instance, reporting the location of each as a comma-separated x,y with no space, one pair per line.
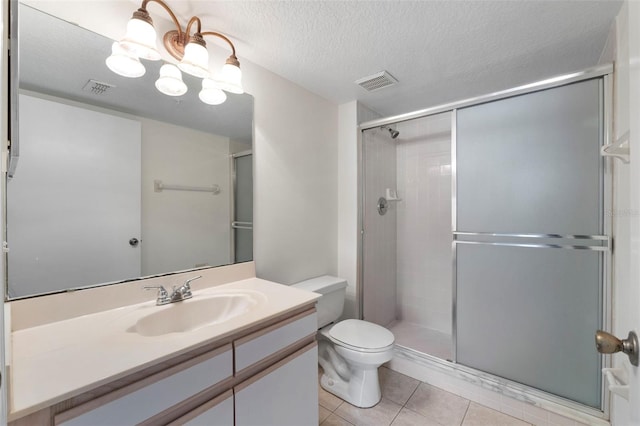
200,311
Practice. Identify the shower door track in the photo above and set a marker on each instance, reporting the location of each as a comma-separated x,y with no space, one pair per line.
508,388
602,71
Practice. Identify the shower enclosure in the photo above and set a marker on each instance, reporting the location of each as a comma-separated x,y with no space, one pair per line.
484,236
242,223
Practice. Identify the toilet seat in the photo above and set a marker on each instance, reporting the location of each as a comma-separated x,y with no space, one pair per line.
362,336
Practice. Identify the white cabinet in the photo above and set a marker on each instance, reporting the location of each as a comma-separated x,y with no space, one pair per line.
284,394
263,376
217,412
264,344
145,399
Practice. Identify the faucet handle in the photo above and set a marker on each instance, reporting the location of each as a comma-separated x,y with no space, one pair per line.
163,295
187,283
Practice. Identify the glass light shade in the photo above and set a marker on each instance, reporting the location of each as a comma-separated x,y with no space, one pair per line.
140,40
211,93
170,81
230,79
195,60
123,63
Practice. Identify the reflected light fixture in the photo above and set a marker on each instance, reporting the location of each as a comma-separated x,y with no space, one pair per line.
170,81
124,63
211,93
190,50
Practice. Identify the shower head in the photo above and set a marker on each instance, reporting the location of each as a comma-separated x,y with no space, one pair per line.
394,133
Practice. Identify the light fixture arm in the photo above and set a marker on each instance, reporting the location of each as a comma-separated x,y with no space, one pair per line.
215,34
198,27
166,7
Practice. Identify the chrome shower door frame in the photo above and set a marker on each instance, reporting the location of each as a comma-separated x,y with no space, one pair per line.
603,72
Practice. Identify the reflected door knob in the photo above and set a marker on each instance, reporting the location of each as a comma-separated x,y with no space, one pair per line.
133,242
607,343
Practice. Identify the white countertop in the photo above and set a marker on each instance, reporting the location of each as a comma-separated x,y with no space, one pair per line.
54,362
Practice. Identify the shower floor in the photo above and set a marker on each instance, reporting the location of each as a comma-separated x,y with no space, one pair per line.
421,339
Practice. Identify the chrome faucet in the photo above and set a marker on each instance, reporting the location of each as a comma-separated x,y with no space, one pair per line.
178,294
163,297
184,291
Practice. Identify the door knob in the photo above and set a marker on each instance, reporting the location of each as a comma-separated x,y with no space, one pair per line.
608,344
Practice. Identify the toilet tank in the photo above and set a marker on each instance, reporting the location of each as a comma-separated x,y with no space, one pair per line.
333,291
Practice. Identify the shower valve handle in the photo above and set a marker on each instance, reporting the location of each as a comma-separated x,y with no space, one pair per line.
607,343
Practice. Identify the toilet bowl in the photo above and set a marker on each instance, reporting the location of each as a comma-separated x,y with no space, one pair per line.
350,351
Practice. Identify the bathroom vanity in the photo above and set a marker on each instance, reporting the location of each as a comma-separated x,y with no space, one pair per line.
242,363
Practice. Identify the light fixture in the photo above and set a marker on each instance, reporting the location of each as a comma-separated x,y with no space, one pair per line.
190,50
170,81
140,38
231,77
124,63
211,93
196,58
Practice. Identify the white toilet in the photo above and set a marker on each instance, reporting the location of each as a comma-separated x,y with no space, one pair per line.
350,351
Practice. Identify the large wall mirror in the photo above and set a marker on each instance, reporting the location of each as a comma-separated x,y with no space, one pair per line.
110,180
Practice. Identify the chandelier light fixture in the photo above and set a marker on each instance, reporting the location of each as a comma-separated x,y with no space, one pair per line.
190,50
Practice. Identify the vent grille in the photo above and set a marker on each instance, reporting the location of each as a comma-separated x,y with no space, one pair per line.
377,81
97,87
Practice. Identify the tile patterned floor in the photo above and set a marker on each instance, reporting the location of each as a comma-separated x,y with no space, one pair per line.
409,402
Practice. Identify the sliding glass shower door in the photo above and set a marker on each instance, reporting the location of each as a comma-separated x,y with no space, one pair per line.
242,224
529,241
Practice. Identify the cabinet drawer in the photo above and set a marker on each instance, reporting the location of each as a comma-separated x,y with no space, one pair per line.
217,412
259,345
152,395
285,394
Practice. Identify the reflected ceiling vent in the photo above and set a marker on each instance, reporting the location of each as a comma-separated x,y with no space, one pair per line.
97,87
376,81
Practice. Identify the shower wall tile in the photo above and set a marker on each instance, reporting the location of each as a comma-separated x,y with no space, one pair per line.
424,223
379,248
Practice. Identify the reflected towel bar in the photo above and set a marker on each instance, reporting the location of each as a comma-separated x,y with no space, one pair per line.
158,186
242,225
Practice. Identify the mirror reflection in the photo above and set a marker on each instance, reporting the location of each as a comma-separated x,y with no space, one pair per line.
114,180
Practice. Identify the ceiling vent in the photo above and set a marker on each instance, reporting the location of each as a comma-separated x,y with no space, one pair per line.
97,87
377,81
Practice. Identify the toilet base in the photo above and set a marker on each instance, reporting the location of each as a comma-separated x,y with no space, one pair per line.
351,374
362,389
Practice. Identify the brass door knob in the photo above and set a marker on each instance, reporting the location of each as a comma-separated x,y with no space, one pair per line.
607,343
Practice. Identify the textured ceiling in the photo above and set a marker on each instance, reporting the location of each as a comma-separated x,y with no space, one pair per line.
440,51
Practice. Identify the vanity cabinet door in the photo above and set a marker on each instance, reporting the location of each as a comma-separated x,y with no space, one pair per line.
267,342
283,394
217,412
155,395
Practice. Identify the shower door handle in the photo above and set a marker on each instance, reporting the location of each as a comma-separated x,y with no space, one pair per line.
607,343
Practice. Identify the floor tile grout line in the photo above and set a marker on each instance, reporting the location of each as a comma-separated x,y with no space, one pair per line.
329,409
406,402
338,415
412,393
465,412
396,416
